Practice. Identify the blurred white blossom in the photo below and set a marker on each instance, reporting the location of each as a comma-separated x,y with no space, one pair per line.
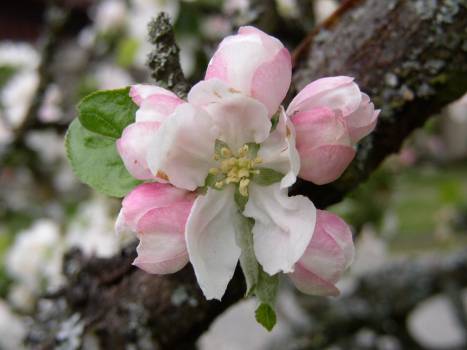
92,229
110,15
21,55
109,76
17,95
324,8
35,257
50,110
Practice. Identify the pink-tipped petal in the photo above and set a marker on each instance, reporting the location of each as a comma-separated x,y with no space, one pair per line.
336,93
157,107
162,247
148,196
323,143
217,68
133,145
140,92
363,120
271,81
307,282
161,253
324,164
253,63
328,254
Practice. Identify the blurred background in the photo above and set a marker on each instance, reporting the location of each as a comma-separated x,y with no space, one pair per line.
411,213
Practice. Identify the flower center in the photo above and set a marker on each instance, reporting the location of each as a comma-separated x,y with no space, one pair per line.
235,168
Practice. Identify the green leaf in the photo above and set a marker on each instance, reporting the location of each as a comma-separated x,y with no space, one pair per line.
266,316
95,161
108,112
267,177
244,239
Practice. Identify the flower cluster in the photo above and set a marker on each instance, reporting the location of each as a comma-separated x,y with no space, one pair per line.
221,163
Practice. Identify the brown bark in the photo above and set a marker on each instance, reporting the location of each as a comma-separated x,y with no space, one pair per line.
409,56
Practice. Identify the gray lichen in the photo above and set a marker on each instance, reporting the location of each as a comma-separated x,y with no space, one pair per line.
164,59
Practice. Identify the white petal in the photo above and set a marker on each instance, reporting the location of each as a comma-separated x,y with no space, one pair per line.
283,226
240,119
209,91
183,147
210,237
278,152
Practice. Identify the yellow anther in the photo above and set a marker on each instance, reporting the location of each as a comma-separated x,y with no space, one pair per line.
214,171
243,151
243,173
243,187
258,160
225,152
219,184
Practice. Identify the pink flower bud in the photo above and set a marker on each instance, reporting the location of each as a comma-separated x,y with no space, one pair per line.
323,143
254,63
330,115
157,213
328,254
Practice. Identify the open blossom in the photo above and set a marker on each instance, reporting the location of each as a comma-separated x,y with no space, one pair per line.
230,152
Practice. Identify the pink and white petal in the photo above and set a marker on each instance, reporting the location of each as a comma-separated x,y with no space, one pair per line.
148,196
210,236
240,119
182,151
133,145
162,247
283,226
309,283
363,120
320,126
217,68
271,81
339,231
237,59
324,164
121,226
157,107
278,151
210,91
270,43
336,93
140,92
161,253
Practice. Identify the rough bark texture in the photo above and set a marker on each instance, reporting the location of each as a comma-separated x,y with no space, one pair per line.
410,56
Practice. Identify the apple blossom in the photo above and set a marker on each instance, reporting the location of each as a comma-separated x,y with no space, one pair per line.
328,254
220,164
330,116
